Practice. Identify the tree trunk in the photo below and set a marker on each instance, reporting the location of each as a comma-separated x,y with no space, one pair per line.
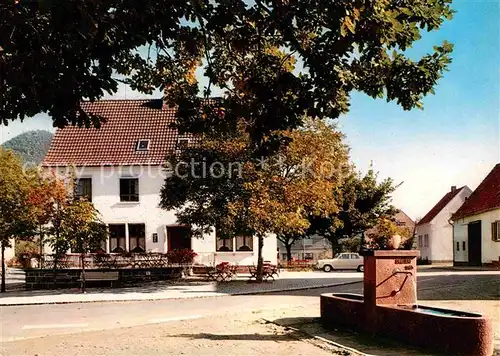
40,236
82,257
288,252
260,260
3,268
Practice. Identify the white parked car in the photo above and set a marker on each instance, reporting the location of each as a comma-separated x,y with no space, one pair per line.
346,260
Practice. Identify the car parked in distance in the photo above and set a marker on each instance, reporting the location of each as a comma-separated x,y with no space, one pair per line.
345,260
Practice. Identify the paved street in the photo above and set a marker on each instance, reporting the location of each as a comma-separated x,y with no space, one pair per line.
474,291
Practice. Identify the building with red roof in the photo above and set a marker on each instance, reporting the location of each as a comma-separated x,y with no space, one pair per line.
434,231
121,168
476,225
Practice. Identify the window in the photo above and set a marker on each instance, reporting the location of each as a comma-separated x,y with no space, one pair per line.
84,188
458,246
463,245
308,256
344,256
426,240
354,256
182,143
155,237
142,145
244,243
117,238
495,231
225,245
129,189
137,237
284,256
419,240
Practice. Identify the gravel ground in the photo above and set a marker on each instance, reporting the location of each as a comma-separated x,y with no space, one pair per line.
245,334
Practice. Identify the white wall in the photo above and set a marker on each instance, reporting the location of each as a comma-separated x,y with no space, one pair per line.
440,231
106,199
490,250
9,251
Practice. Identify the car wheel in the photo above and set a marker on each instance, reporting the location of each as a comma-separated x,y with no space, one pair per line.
327,268
361,268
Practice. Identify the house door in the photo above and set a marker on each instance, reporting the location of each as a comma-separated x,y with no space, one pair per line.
178,237
474,246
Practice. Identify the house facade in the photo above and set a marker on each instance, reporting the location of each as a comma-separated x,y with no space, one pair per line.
317,247
476,225
121,169
434,231
312,249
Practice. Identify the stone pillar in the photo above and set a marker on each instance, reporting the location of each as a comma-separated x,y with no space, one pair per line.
389,277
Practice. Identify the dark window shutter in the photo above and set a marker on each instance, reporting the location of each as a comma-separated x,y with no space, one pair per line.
494,232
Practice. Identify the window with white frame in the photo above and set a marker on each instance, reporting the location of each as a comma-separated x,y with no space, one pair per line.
426,240
84,188
117,238
137,237
495,231
419,240
235,244
225,245
129,189
244,243
458,245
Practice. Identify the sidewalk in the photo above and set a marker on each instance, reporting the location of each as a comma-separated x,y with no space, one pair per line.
288,281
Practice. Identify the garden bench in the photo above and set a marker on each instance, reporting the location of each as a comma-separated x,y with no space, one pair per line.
98,276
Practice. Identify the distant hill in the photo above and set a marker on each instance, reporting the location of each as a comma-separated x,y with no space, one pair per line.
31,146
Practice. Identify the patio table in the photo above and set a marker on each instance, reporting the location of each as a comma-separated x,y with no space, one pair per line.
268,271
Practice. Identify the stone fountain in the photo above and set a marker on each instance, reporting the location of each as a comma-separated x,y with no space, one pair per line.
388,307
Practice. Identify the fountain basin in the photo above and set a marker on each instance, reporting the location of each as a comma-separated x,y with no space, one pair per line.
449,331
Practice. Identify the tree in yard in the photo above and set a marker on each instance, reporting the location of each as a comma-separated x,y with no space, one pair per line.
220,183
388,235
74,224
14,214
82,49
82,229
45,196
362,201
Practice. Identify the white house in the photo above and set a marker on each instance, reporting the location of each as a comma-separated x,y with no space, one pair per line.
435,232
120,167
476,225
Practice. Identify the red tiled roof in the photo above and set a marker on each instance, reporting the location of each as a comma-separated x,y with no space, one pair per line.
486,196
127,121
439,206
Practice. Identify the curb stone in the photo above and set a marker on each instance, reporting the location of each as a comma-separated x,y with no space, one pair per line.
276,290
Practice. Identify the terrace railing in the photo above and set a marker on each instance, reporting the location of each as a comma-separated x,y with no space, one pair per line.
110,261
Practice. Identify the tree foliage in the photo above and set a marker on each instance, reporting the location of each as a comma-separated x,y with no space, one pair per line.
14,214
388,235
362,201
31,146
54,54
221,183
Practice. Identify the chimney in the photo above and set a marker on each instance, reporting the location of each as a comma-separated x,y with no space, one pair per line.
453,188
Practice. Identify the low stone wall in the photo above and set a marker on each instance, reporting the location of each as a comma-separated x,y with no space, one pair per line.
69,278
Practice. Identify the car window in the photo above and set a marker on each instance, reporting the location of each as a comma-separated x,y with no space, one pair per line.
354,256
344,256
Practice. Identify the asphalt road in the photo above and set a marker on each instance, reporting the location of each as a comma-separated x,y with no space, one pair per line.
21,322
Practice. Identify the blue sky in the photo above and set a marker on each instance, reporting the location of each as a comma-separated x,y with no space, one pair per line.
453,141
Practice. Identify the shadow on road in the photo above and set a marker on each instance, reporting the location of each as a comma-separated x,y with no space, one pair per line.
352,339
